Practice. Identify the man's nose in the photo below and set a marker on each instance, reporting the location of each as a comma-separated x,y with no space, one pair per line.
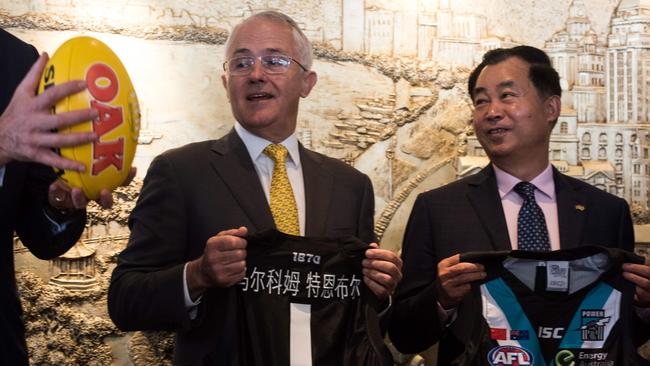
494,111
257,72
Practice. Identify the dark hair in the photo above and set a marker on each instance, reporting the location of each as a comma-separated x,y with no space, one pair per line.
541,72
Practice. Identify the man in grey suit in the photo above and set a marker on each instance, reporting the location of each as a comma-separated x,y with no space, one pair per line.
187,249
516,96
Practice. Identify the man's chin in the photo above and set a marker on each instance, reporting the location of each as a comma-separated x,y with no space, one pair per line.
265,128
256,123
498,152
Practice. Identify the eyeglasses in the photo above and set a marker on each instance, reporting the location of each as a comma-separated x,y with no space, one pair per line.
271,64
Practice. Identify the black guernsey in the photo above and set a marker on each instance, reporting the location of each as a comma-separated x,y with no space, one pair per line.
321,275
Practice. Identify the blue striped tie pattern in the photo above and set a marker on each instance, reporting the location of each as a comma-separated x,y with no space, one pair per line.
532,233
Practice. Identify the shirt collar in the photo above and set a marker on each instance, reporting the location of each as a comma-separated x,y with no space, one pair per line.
256,145
544,182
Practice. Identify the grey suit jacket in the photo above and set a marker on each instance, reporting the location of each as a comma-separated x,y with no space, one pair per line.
194,192
467,215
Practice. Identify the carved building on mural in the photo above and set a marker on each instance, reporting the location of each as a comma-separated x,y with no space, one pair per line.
74,270
430,31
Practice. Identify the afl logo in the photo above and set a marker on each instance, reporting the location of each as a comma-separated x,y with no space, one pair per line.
509,356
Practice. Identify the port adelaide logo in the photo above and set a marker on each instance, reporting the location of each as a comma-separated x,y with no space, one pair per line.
509,356
593,323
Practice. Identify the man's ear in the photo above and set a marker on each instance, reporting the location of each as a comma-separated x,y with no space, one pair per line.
224,81
308,82
553,107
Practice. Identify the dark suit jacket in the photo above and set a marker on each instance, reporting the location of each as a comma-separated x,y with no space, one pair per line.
23,197
467,215
194,192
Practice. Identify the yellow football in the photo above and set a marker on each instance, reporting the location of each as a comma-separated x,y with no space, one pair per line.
110,91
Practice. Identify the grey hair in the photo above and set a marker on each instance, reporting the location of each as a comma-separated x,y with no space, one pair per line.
302,42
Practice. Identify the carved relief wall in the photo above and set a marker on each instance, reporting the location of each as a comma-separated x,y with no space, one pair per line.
390,101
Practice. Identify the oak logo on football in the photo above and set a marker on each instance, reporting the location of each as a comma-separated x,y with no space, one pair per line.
103,86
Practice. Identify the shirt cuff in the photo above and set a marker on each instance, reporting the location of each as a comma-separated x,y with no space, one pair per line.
390,303
446,316
643,314
191,306
58,221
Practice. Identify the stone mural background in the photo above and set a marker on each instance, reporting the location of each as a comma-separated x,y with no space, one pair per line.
390,100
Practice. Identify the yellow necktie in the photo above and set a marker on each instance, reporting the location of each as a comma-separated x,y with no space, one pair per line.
283,203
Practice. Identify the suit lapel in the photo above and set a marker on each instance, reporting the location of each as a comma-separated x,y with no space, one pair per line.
484,197
318,192
571,210
233,164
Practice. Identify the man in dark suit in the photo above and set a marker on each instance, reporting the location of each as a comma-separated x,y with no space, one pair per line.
187,249
46,215
516,96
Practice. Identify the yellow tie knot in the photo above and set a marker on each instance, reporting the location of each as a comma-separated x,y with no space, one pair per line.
283,203
277,153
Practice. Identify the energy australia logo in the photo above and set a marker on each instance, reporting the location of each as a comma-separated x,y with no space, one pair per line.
592,326
565,358
509,356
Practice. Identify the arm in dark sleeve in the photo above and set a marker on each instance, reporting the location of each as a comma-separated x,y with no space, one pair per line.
14,68
366,230
415,324
146,289
36,231
641,332
625,228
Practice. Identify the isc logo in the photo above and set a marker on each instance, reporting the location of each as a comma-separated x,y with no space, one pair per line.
306,258
509,356
550,333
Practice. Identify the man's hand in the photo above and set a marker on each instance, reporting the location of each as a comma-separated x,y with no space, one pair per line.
454,280
382,271
26,124
639,274
62,197
222,264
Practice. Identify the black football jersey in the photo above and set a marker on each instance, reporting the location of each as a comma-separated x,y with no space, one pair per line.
305,303
563,308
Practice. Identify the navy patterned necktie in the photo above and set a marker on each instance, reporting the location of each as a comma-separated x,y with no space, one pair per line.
532,233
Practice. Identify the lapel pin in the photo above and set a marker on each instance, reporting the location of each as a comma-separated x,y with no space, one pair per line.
580,207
